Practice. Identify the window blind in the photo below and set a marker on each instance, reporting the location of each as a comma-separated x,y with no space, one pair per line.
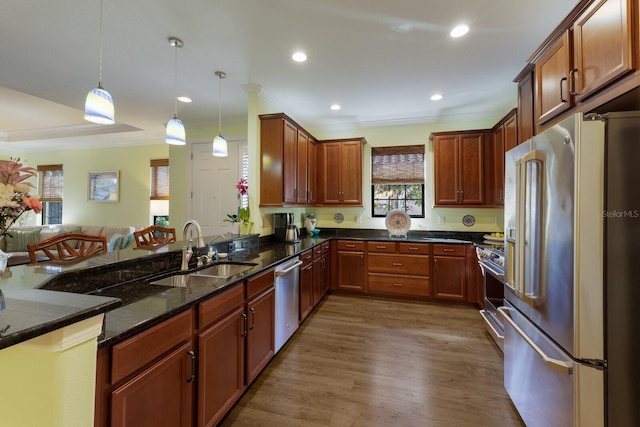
160,179
402,164
50,183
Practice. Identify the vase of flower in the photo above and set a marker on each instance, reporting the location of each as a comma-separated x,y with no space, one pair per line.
245,228
14,194
235,228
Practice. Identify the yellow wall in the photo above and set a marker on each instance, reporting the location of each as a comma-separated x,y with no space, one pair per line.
133,164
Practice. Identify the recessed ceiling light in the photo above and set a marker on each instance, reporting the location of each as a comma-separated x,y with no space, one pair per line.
299,57
185,99
436,97
459,31
335,107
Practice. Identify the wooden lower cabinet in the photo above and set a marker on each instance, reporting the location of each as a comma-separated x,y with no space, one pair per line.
350,269
306,284
221,358
160,395
160,358
261,332
449,270
402,269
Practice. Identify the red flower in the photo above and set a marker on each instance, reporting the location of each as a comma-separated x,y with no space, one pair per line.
242,186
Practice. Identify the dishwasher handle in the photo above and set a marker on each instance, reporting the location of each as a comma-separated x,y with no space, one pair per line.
289,269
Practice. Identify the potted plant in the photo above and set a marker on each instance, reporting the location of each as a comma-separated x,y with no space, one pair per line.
235,222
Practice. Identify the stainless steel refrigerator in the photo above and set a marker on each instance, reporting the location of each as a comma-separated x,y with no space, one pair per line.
572,301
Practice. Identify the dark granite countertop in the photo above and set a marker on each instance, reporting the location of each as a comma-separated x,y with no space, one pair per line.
144,304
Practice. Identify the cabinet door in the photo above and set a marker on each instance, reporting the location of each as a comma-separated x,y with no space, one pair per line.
289,162
139,402
510,133
221,367
318,280
302,184
330,161
260,336
351,173
449,277
497,193
326,272
306,290
446,175
471,169
602,45
552,78
525,116
312,173
351,273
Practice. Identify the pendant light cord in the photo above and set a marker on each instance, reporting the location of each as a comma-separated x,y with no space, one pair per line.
175,83
220,105
100,50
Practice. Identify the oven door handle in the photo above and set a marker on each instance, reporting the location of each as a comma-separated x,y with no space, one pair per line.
495,272
558,365
489,322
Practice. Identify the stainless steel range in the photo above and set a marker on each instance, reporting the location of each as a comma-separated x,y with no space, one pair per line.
491,261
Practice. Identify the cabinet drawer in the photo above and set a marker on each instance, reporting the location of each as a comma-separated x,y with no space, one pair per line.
350,245
218,306
306,257
382,247
400,264
142,349
257,285
317,251
325,247
414,248
399,285
449,250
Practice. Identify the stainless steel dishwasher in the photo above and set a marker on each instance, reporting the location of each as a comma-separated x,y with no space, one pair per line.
287,290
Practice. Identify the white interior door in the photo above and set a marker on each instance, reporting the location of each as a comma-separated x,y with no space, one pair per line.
214,187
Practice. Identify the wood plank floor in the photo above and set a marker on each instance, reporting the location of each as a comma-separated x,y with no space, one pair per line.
375,362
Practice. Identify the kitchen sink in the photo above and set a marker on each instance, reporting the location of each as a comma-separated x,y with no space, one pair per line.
226,269
208,276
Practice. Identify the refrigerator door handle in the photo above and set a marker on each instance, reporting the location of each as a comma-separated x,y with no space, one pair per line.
530,183
558,365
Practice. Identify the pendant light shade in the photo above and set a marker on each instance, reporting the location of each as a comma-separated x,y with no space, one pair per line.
98,108
175,133
219,142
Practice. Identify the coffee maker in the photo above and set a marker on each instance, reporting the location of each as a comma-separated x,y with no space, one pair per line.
284,228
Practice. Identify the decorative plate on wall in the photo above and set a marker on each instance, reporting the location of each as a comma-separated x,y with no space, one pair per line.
338,218
468,220
398,223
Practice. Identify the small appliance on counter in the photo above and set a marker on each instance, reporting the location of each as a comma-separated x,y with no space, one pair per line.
281,223
291,236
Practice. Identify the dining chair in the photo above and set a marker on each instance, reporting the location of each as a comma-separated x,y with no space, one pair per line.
154,236
68,247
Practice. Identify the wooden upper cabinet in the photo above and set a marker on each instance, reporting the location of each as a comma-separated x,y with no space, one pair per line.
552,80
302,168
602,45
312,173
284,162
503,139
459,168
511,131
340,173
525,122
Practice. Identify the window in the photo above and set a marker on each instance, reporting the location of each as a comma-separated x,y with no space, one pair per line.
160,179
50,183
397,180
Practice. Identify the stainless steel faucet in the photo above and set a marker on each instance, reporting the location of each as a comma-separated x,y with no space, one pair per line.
187,252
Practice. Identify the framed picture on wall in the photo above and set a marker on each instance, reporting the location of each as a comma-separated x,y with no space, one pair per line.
104,186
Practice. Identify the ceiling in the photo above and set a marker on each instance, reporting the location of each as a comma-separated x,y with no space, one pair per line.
381,60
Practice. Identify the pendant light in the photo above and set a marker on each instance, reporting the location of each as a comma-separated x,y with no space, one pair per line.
175,129
219,143
98,108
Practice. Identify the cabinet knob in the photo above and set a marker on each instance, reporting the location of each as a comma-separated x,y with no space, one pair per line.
244,325
448,250
397,264
192,374
253,318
